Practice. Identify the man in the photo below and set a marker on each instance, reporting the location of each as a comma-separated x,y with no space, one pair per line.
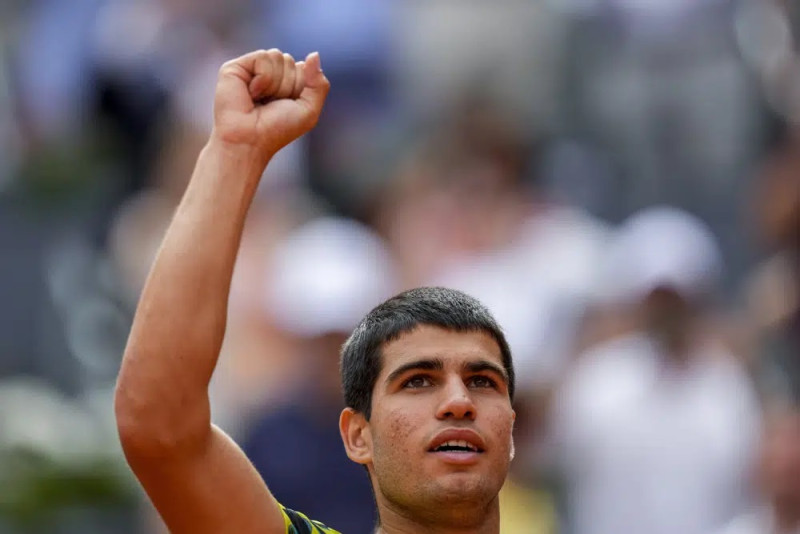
656,428
323,278
427,375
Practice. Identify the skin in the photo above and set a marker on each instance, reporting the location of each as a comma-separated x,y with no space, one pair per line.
433,380
197,477
672,320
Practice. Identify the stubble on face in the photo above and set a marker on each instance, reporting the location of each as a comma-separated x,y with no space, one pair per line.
407,477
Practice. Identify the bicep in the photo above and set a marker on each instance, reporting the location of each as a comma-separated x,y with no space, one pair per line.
210,490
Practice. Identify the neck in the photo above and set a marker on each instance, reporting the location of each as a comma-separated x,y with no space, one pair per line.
675,344
460,519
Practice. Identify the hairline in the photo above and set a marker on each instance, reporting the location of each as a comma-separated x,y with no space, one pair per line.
505,357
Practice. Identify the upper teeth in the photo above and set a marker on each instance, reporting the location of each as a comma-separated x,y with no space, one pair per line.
459,443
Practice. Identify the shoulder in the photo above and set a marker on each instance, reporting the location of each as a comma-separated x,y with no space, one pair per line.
298,523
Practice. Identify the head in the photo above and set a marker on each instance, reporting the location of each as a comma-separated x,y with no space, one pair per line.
426,367
665,265
321,280
460,185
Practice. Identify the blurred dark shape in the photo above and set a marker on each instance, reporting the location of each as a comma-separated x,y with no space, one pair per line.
298,450
130,105
461,185
774,289
355,40
325,277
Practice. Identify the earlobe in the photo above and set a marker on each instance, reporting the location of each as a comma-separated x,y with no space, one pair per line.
356,436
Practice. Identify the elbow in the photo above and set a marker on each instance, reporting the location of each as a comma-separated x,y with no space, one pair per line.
149,430
138,436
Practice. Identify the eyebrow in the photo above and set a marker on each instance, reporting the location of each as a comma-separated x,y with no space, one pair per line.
483,366
436,364
433,364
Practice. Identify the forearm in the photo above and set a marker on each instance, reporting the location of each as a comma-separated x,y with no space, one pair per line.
177,333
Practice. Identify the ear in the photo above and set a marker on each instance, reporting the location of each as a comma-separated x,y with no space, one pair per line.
513,449
356,435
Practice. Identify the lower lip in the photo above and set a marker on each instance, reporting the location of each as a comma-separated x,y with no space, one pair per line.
458,458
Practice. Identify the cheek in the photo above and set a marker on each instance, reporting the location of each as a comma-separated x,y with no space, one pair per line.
401,428
501,424
398,430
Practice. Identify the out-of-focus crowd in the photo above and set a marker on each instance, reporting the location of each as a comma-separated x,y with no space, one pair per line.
617,180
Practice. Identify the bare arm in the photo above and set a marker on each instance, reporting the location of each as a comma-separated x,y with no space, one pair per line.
197,478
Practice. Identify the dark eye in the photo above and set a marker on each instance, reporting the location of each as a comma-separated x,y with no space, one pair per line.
482,382
418,381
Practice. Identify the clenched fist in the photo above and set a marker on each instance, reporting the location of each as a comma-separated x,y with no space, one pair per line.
264,100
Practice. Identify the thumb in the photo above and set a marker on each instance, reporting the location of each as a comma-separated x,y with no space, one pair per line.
316,84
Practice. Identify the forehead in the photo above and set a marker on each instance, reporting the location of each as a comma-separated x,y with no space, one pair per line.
452,347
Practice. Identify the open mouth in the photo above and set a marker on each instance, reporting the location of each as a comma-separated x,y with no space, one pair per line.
457,446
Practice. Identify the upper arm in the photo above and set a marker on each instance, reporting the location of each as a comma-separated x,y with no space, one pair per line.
211,489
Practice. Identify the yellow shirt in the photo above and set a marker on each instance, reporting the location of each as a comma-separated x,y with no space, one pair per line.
297,523
525,511
522,511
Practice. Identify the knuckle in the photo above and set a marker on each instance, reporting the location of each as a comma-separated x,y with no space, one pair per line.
226,67
262,65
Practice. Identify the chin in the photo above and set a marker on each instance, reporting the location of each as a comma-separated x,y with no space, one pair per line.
464,486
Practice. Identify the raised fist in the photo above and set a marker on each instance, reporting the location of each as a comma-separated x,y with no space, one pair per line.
264,100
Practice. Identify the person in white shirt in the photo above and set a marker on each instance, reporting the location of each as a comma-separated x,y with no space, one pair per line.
655,430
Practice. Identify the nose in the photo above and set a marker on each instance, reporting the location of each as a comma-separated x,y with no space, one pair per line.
456,402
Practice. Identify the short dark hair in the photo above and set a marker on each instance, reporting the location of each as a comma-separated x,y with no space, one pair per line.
361,360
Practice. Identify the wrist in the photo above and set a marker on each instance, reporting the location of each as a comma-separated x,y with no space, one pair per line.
229,170
250,159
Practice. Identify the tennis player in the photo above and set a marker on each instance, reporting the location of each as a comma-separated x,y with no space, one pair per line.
427,375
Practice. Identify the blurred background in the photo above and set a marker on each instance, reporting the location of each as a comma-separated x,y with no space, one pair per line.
618,180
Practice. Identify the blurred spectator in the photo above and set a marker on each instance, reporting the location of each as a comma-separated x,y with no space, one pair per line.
466,209
458,190
778,477
104,105
326,276
507,49
655,429
355,38
55,100
150,60
774,288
